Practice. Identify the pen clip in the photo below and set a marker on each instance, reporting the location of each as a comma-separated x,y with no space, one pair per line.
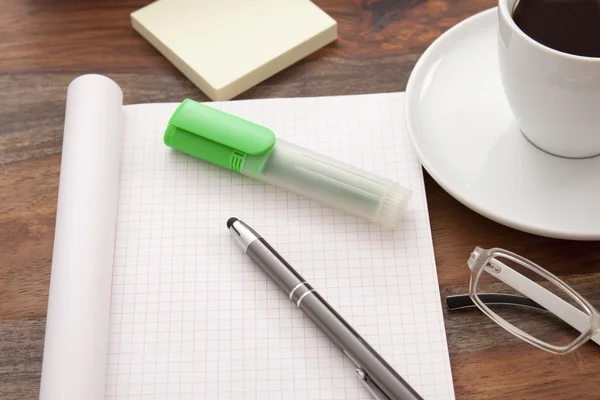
371,386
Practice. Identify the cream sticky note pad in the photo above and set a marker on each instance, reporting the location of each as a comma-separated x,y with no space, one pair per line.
227,46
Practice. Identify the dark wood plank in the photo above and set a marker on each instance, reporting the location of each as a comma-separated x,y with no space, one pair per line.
96,35
21,350
27,214
47,43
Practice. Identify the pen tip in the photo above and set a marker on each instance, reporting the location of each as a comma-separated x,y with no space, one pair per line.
230,221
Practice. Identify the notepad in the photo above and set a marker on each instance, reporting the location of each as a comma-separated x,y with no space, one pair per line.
227,46
151,298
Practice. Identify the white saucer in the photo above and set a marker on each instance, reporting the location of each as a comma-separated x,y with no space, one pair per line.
465,137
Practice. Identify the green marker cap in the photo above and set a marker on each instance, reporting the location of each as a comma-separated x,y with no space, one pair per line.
216,136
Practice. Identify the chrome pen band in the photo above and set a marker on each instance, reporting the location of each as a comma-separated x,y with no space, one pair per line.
303,296
299,291
296,287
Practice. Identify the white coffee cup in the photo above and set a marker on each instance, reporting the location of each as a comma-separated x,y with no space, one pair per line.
554,96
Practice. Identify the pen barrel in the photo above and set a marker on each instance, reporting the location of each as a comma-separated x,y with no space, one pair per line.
330,182
329,321
354,346
275,266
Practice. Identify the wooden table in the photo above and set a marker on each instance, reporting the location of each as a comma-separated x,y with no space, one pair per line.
46,44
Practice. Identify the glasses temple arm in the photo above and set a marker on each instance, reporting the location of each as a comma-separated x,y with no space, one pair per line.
543,297
464,300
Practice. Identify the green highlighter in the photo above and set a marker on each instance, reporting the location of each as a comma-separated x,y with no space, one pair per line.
253,150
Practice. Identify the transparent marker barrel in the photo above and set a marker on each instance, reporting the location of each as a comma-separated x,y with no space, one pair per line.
330,182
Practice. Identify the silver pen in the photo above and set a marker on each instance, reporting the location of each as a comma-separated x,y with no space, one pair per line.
378,377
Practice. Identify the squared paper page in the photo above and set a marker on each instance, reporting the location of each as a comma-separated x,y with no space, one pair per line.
193,317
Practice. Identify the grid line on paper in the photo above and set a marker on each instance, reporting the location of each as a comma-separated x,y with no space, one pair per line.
192,317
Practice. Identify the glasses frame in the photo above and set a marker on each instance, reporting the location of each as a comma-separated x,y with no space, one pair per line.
480,258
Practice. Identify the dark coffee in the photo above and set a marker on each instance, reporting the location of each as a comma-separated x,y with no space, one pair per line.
570,26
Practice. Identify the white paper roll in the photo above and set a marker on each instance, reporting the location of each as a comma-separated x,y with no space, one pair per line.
75,349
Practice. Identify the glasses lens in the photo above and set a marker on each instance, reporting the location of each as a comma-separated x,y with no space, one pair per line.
530,302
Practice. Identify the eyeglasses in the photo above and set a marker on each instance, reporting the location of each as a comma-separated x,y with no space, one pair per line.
559,319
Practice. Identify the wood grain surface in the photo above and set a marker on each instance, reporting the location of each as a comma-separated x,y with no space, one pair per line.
45,44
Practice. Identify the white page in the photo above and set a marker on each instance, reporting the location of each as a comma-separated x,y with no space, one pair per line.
192,317
75,348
